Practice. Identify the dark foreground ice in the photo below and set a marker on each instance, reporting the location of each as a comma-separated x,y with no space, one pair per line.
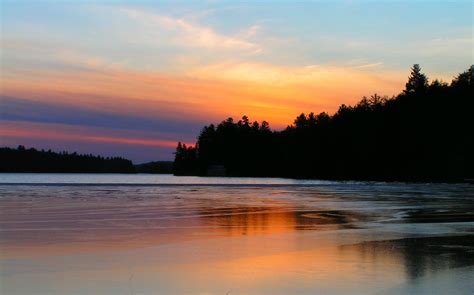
142,234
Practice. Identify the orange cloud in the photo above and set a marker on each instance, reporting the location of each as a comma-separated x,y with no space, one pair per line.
206,94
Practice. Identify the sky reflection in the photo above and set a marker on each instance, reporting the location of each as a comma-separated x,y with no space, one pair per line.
120,239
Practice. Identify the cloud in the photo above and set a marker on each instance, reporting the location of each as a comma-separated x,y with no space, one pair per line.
205,94
249,32
18,109
370,65
137,146
62,132
310,75
191,35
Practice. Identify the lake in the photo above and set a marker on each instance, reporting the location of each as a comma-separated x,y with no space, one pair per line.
160,234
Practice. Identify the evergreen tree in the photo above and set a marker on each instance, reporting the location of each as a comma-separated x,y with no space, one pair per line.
417,82
427,137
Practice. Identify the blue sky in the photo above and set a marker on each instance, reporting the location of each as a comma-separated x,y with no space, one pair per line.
148,70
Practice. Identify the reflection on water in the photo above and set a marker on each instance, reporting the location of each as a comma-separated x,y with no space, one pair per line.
238,238
249,220
420,256
261,220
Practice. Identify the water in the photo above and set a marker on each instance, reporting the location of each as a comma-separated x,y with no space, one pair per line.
143,179
160,234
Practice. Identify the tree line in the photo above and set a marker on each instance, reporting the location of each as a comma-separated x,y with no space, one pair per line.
425,133
22,159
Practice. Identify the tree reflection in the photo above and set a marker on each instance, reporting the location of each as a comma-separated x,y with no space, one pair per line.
419,256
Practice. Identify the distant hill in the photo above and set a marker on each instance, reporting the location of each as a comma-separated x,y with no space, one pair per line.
32,160
158,167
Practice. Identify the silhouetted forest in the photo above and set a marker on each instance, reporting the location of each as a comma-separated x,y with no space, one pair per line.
32,160
158,167
423,134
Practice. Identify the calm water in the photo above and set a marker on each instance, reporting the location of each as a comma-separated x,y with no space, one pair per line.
159,234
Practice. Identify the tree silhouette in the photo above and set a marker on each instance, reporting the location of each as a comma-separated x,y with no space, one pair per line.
417,82
32,160
424,133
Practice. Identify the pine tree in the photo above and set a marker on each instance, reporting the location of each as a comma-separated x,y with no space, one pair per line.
417,82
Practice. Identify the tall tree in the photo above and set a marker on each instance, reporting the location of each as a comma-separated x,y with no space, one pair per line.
417,82
425,137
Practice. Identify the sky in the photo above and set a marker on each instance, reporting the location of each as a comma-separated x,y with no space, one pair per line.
132,78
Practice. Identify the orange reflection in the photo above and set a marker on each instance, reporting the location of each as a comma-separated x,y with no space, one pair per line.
242,220
250,220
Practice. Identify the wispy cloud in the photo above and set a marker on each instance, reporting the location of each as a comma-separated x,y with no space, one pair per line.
24,129
310,75
260,90
188,34
369,65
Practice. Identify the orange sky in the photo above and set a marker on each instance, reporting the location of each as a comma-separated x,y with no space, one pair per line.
137,78
263,92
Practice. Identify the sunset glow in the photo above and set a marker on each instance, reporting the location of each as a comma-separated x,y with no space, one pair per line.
137,78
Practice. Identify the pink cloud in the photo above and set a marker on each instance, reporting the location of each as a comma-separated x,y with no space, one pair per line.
61,132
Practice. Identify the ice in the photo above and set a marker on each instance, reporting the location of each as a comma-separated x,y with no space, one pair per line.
160,234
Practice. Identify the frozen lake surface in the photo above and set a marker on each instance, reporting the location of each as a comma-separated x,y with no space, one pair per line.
160,234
